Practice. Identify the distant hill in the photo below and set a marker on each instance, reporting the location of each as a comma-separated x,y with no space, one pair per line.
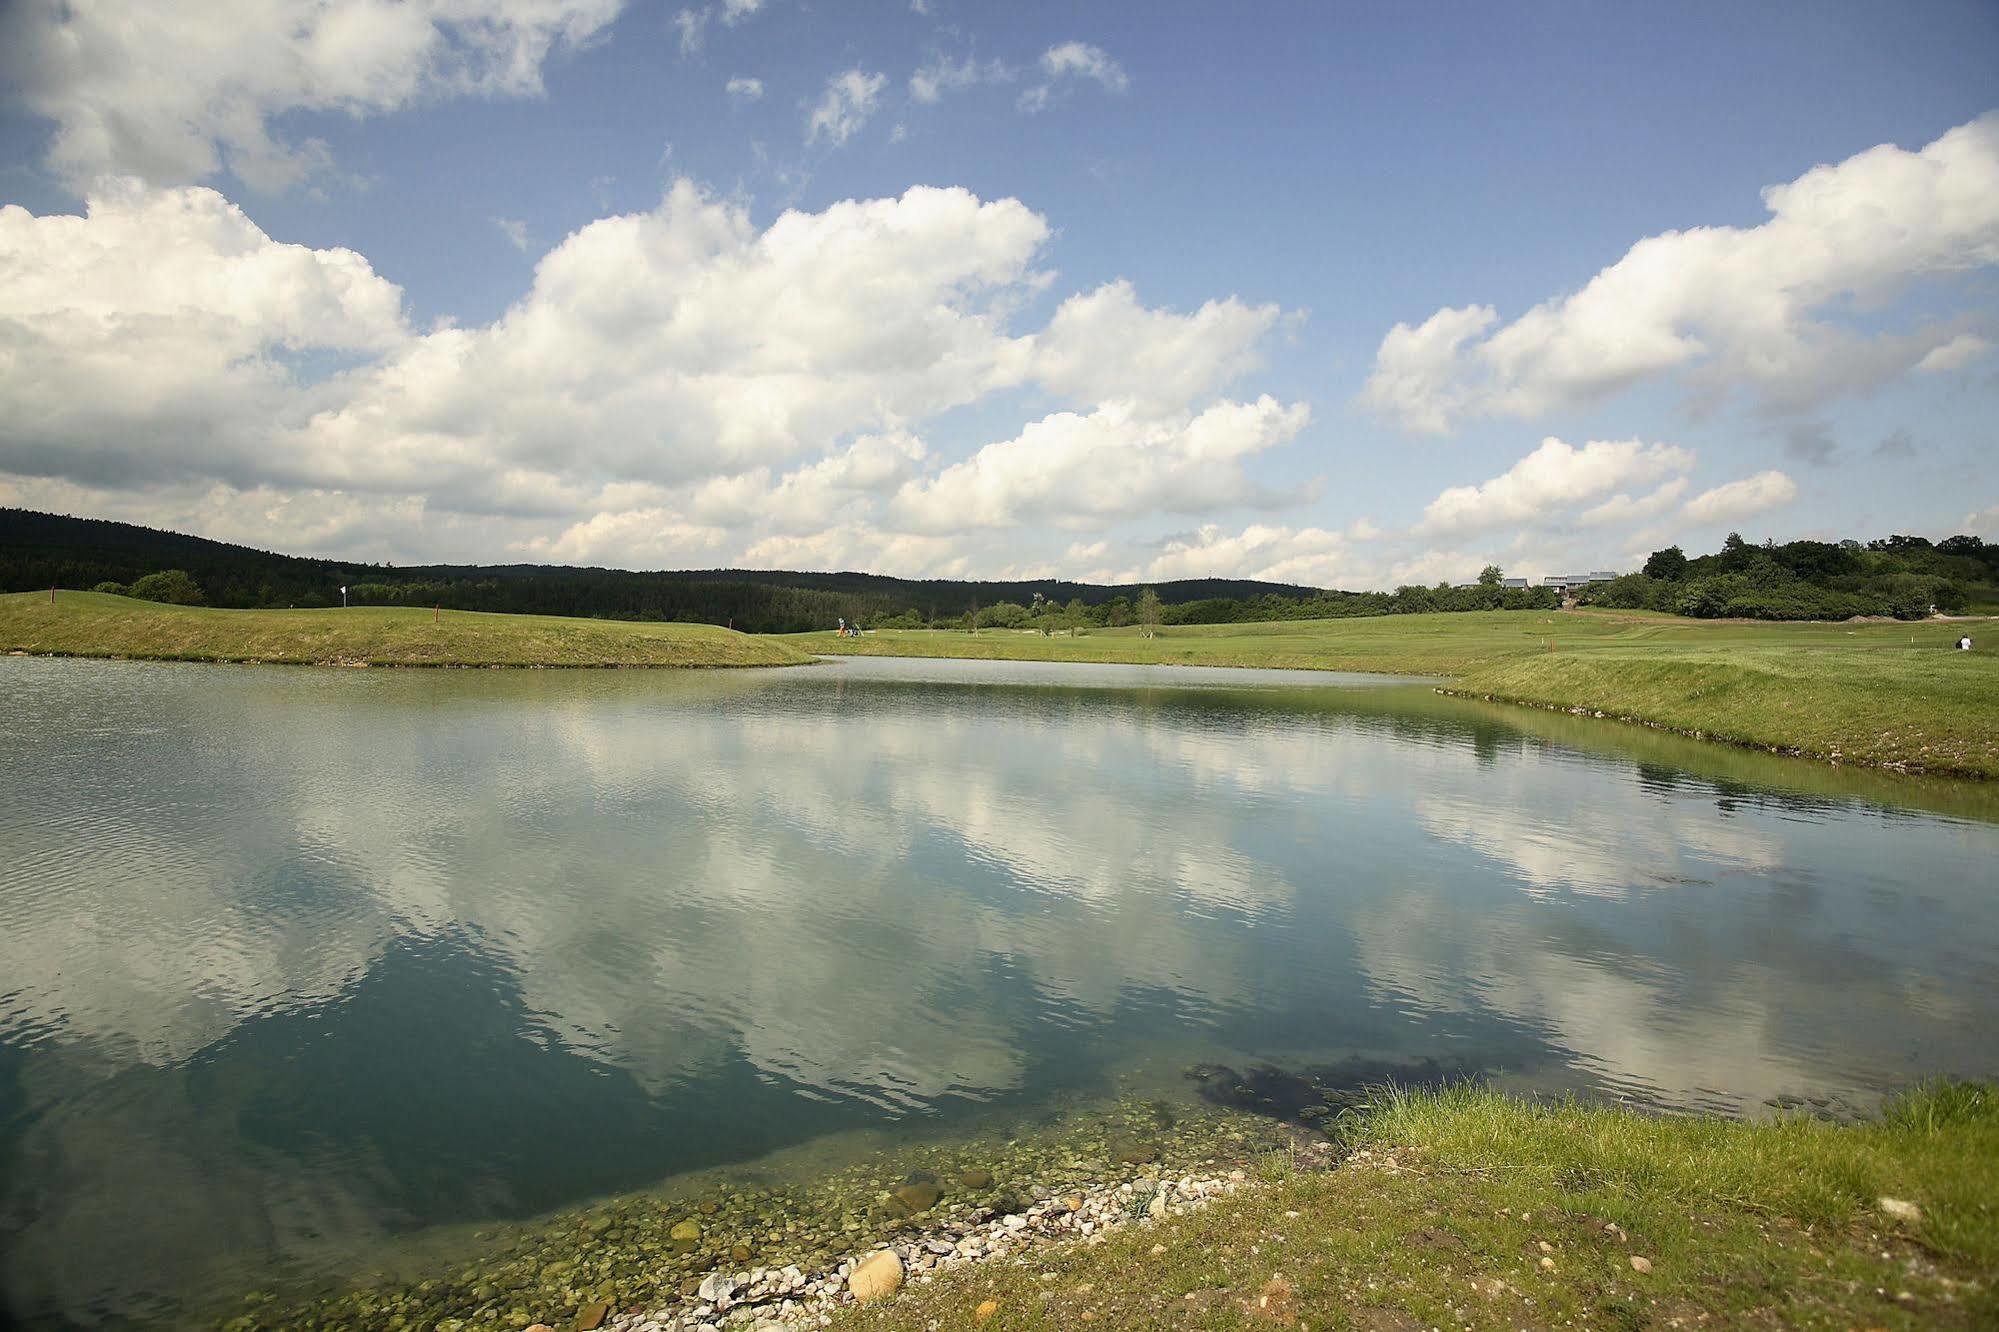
39,550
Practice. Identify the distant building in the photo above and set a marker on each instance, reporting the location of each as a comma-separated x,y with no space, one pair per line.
1570,584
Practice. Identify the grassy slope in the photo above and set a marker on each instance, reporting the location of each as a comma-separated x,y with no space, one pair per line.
1441,1217
1878,694
90,624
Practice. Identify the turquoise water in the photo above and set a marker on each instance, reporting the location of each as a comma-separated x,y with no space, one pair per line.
293,962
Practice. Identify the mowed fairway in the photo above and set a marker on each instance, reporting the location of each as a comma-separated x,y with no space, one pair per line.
91,624
1888,695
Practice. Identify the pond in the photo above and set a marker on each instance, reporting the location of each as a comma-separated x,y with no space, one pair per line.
297,966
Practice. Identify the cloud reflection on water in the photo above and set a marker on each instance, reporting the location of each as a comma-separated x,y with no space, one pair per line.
875,894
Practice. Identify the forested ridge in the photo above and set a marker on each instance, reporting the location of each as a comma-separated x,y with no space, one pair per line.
1902,576
41,550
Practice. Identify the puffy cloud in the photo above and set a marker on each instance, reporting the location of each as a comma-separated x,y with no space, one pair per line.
1959,352
681,343
675,386
1622,510
1113,462
1104,344
1741,499
157,334
1552,478
1985,522
1725,306
1073,60
813,497
175,93
745,89
849,100
1311,556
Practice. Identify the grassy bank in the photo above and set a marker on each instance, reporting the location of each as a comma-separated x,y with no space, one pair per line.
1890,695
90,624
1467,1209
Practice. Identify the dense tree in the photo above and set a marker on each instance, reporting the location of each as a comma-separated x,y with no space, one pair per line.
1491,576
1669,564
1148,612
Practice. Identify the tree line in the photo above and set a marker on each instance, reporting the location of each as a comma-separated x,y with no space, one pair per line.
1903,577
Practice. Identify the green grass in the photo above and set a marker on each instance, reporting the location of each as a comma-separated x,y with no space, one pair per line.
91,624
1886,695
1441,1217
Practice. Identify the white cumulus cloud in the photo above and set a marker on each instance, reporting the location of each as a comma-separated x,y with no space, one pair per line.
745,89
1724,307
1552,479
1112,462
1741,499
1105,344
176,93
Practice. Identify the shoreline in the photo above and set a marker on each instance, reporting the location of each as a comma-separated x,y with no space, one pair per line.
1900,768
101,626
356,664
766,1298
1461,1206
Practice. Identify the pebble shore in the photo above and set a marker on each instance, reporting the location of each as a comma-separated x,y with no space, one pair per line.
764,1299
735,1247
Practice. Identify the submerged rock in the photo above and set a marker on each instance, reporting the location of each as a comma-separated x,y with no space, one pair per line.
918,1197
686,1230
976,1179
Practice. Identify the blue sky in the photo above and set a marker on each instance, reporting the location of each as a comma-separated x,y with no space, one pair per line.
529,280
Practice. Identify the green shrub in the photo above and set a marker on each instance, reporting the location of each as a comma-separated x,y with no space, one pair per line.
172,586
113,589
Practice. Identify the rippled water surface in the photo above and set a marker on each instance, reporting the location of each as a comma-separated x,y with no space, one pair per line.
293,961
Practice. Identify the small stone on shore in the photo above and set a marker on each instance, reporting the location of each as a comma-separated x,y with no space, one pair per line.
876,1276
1639,1265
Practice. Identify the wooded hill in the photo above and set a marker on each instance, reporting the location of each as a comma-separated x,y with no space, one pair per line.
40,550
1901,576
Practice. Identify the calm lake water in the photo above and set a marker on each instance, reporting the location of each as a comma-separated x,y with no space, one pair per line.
296,962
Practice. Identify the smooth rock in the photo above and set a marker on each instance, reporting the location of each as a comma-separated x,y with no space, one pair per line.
1640,1265
718,1286
1900,1209
876,1276
986,1309
689,1229
976,1179
592,1317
